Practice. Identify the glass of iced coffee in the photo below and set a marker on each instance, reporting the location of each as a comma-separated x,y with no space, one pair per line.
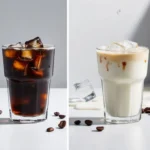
122,67
28,69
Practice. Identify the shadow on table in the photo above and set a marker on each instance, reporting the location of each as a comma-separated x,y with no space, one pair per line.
7,121
96,120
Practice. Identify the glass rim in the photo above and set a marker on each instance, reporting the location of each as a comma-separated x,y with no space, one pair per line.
45,46
120,52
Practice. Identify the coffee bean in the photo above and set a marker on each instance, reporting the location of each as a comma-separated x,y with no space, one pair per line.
142,110
77,122
62,124
147,110
50,129
56,113
100,128
88,122
0,111
62,116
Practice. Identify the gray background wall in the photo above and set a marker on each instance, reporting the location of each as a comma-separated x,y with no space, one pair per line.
100,22
21,20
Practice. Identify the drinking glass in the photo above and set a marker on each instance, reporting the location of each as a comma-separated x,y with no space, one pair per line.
28,72
122,76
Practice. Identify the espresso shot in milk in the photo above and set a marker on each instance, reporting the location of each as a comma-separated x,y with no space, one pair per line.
122,67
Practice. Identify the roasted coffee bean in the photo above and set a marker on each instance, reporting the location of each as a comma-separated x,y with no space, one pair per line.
50,129
88,122
100,128
62,124
142,110
0,111
147,110
62,116
56,113
77,122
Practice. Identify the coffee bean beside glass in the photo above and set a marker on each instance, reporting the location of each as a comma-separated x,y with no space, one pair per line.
28,69
122,68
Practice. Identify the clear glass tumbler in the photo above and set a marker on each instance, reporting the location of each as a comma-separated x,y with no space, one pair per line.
122,76
28,72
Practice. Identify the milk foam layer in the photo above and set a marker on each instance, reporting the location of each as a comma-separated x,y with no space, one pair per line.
123,71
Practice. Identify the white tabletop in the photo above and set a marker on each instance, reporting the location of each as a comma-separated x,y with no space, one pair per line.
33,136
135,136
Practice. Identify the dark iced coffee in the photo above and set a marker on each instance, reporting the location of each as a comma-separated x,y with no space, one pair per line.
28,68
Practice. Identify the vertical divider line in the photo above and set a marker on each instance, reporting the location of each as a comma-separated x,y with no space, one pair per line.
67,75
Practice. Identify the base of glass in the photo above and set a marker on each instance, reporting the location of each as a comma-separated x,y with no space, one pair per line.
23,120
121,120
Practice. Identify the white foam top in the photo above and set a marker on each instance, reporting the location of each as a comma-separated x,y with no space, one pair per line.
123,47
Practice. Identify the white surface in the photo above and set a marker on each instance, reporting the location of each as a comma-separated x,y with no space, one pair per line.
33,136
22,20
133,136
99,22
114,137
88,106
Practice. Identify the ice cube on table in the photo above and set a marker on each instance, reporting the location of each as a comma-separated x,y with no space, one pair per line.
34,43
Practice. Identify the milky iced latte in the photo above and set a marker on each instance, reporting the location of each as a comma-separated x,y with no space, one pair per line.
122,67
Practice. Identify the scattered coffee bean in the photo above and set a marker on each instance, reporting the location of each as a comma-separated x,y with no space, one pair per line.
142,110
62,124
100,128
147,110
50,129
56,113
77,122
88,122
0,111
62,116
